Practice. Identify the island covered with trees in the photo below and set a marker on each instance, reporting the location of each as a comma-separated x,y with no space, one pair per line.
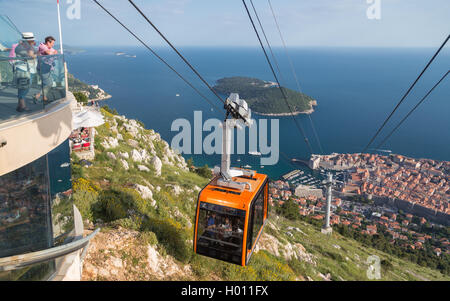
264,97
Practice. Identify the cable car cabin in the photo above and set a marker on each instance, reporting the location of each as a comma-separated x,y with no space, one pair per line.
230,221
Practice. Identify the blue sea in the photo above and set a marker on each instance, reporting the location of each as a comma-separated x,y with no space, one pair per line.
356,88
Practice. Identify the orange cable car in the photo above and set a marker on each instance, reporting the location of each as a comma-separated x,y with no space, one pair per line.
233,208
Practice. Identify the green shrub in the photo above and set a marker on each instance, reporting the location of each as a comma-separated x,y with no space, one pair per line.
85,195
139,204
335,256
263,267
289,210
131,223
386,265
113,205
190,164
171,235
148,237
203,266
77,171
98,146
109,110
81,97
101,157
204,171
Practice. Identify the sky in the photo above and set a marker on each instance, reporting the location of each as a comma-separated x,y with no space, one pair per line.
304,23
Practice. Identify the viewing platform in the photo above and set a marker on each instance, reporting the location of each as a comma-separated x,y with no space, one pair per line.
41,230
40,81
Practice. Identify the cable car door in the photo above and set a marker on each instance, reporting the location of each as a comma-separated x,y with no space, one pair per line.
257,215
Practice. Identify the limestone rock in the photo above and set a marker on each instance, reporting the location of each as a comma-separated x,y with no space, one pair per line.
111,156
124,164
140,155
117,262
132,127
296,229
136,156
288,251
157,165
143,168
110,142
326,277
103,260
124,155
133,143
146,193
147,183
175,188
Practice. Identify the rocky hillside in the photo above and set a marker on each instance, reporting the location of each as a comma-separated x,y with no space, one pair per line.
143,196
92,92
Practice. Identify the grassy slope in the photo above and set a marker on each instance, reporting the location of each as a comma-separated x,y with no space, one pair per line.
348,262
170,225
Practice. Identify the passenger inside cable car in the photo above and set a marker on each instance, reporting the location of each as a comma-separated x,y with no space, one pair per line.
221,231
229,231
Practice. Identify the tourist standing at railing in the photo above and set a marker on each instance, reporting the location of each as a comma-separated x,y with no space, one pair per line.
46,65
25,68
47,47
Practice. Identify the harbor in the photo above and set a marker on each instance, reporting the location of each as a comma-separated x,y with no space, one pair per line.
304,176
312,178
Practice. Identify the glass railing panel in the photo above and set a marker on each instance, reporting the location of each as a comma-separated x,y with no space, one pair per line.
20,87
29,84
51,71
25,213
38,271
61,193
36,207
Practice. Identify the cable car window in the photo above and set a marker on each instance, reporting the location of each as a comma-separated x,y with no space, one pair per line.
220,232
256,219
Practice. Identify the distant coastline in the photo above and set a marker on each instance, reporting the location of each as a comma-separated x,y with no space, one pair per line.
102,98
125,54
307,112
89,93
264,97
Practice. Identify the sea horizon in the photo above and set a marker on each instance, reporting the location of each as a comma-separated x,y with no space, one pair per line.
355,88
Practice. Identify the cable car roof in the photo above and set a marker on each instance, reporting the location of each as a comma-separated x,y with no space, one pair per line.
233,198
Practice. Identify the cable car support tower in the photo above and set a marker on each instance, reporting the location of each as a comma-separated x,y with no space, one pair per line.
326,229
240,115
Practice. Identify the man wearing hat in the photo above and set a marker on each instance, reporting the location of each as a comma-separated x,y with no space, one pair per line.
25,69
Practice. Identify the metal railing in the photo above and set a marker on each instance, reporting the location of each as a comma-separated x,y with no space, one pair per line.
23,260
